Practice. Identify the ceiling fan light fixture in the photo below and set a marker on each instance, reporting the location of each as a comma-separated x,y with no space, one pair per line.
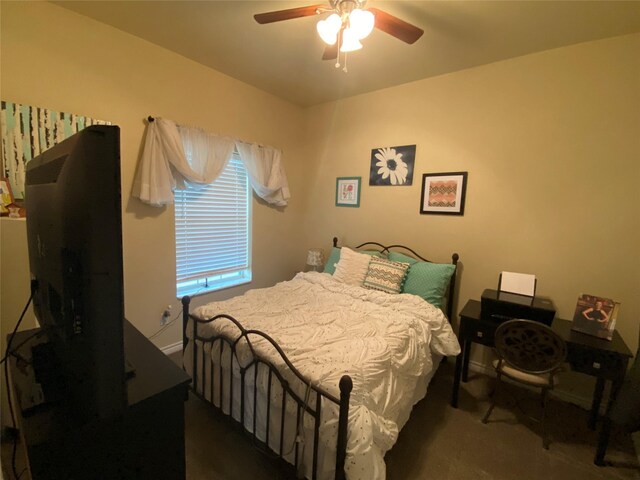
361,22
328,29
350,42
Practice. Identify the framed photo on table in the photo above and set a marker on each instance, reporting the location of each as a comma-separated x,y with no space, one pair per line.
6,196
348,191
443,193
595,316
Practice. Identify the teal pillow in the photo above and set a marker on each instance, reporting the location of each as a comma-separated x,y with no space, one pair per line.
334,257
399,257
425,279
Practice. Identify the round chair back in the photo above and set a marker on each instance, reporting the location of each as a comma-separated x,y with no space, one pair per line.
530,346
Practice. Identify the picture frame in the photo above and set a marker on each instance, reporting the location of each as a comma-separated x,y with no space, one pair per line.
6,196
348,191
443,193
595,316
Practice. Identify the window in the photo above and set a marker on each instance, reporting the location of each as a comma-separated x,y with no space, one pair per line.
213,233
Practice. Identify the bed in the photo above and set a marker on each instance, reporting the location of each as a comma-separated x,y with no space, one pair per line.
319,373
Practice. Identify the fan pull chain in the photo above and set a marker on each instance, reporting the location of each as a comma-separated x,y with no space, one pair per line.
339,42
337,65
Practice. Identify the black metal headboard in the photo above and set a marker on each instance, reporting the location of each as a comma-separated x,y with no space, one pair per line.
452,283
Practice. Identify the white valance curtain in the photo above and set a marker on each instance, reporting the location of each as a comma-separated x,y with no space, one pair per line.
266,173
176,156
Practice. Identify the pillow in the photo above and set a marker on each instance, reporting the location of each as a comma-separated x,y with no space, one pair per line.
425,279
385,275
352,267
334,257
399,257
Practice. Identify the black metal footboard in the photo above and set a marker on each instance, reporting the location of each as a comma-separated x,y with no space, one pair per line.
310,403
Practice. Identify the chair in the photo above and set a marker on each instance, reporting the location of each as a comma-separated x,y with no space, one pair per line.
529,353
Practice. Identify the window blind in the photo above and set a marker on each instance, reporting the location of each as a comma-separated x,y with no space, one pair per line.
212,232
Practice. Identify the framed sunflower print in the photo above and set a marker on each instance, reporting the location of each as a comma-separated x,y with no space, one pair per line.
392,165
348,192
443,193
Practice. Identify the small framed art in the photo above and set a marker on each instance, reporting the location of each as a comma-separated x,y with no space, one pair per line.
348,191
443,193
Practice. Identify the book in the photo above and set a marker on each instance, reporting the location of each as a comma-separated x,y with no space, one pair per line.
595,316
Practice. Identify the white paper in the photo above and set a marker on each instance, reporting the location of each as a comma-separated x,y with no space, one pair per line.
520,283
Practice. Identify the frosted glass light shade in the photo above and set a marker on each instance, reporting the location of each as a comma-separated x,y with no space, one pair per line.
315,257
361,22
328,29
350,41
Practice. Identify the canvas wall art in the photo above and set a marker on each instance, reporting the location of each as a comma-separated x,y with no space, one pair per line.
28,131
392,165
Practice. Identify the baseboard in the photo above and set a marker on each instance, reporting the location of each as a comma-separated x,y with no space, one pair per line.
559,394
173,348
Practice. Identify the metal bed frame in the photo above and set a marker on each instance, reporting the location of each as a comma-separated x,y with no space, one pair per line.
303,405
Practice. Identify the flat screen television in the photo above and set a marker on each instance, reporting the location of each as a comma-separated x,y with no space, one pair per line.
74,232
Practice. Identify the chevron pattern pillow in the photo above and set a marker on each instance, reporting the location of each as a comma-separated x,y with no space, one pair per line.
385,275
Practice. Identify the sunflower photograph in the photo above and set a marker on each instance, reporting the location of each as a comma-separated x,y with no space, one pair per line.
392,165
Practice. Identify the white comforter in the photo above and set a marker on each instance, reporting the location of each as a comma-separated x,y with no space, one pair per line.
328,329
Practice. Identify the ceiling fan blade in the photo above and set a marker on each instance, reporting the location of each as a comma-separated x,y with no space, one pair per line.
394,26
330,52
288,14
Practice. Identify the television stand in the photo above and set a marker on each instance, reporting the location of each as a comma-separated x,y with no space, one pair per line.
48,385
132,446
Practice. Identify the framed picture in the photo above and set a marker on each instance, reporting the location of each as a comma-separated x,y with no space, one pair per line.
392,165
443,193
348,192
595,316
6,196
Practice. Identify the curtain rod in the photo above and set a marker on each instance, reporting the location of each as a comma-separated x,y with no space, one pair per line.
152,119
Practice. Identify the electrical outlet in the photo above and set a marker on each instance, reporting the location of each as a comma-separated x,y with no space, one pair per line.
166,315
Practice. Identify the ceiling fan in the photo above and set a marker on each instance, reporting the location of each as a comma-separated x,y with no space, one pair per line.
348,23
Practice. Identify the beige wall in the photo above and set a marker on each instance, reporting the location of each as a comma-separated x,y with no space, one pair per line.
14,277
60,60
551,142
14,286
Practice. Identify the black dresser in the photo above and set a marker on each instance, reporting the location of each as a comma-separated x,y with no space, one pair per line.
145,442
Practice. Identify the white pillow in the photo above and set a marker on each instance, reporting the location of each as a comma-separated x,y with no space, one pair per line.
352,267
